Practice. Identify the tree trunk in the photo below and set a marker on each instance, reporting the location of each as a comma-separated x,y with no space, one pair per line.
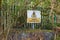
51,12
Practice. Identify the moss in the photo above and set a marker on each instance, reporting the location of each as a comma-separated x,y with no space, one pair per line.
58,38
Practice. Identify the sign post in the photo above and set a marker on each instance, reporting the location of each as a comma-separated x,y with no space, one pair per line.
33,16
33,26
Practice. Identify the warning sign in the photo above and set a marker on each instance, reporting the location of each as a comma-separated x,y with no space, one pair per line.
33,16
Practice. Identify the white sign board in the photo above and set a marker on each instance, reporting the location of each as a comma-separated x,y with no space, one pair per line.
33,16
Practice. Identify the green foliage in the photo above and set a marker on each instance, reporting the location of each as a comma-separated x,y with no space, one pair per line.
46,3
23,5
58,24
21,19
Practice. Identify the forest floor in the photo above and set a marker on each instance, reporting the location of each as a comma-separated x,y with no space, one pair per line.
36,34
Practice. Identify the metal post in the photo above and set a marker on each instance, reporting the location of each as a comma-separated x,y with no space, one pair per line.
33,26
